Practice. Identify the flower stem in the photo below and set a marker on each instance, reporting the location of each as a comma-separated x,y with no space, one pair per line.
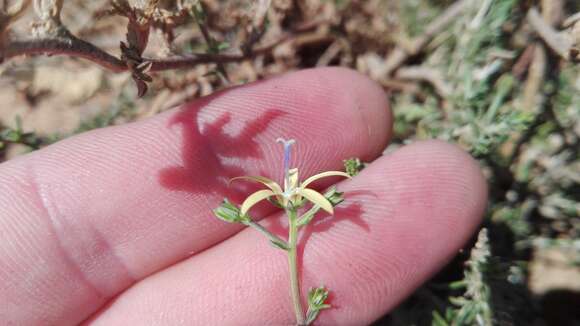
272,237
292,264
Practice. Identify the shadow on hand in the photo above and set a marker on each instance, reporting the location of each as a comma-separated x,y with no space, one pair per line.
206,147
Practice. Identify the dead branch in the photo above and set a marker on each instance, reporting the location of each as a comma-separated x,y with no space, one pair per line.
69,45
64,45
193,60
50,37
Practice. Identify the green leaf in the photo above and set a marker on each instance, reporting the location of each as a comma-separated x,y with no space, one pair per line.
461,284
438,320
222,46
12,136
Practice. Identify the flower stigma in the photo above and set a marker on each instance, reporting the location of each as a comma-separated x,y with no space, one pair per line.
288,187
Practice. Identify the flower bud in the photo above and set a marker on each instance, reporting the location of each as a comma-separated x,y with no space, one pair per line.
229,212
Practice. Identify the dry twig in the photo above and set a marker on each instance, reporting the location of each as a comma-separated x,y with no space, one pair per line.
570,21
559,42
258,25
51,37
426,74
533,97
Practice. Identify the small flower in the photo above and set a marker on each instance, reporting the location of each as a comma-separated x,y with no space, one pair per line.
294,193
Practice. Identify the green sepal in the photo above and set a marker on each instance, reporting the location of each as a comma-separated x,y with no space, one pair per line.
230,213
334,196
316,302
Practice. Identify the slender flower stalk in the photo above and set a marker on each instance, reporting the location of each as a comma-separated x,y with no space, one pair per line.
291,198
293,266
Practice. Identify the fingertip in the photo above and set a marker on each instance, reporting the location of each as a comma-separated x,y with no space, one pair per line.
418,207
358,91
448,168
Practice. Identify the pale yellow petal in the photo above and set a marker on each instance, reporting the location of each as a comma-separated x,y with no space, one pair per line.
263,180
255,198
317,198
323,175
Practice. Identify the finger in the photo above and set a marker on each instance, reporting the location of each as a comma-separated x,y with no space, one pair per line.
404,217
87,217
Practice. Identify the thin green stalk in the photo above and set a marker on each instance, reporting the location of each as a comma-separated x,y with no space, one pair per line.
292,264
308,216
272,237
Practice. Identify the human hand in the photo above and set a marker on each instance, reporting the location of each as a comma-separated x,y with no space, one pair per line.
115,226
